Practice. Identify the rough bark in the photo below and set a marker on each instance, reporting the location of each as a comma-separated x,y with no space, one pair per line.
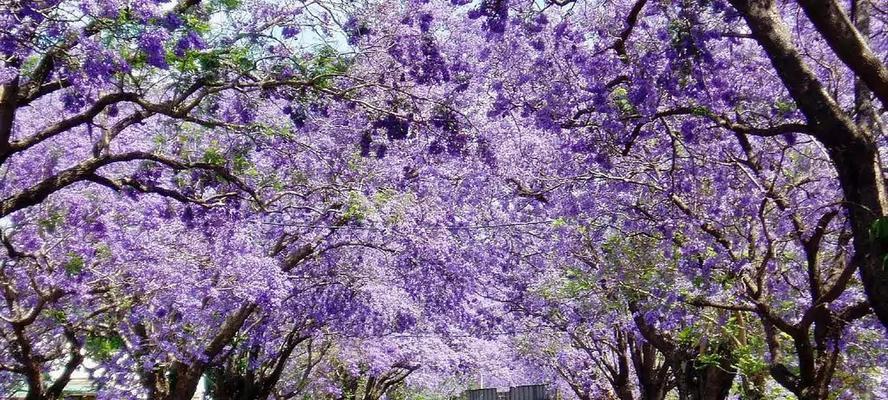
852,148
848,43
187,375
620,376
231,383
693,380
651,371
8,105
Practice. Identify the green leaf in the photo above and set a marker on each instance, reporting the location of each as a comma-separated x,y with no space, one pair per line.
356,209
707,360
701,111
230,4
58,316
103,347
208,61
687,336
559,222
214,156
50,223
784,107
74,265
879,230
241,163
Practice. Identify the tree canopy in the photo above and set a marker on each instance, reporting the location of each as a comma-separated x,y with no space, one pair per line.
364,200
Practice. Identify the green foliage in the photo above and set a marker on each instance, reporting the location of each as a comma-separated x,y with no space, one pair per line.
620,97
75,264
879,230
688,336
404,392
189,62
326,64
58,316
103,250
103,347
213,156
679,31
197,24
749,363
240,163
708,360
784,107
50,223
356,207
225,4
207,61
384,196
578,284
701,111
241,57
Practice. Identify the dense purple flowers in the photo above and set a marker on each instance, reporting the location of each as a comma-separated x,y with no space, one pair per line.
495,14
152,44
355,30
313,201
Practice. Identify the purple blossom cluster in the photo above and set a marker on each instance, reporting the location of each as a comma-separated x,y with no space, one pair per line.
339,200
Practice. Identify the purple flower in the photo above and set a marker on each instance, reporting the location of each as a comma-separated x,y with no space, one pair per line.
689,131
290,32
190,41
152,44
172,21
73,101
425,22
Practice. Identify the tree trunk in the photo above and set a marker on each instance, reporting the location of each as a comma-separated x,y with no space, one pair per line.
711,382
851,147
652,374
693,381
620,380
8,99
753,387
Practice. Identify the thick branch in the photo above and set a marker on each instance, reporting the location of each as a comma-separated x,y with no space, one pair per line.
69,123
659,340
631,19
86,169
847,42
8,104
75,358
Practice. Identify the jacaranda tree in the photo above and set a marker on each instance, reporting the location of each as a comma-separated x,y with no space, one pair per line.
347,199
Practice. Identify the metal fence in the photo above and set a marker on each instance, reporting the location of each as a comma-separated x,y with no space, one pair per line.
481,394
528,392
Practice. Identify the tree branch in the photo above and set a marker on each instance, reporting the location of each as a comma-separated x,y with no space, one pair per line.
848,43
